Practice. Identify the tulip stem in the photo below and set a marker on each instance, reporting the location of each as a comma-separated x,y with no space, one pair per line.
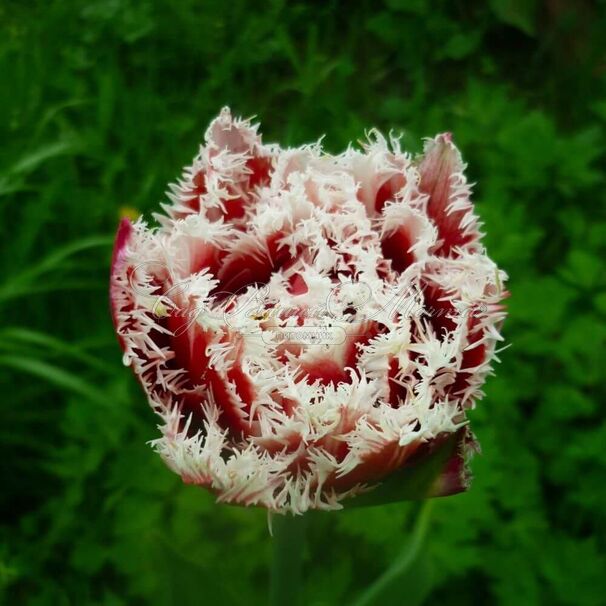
288,543
404,562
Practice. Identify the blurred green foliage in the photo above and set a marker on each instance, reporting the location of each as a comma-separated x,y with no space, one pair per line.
102,102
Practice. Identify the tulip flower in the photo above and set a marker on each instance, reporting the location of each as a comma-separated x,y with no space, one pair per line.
311,328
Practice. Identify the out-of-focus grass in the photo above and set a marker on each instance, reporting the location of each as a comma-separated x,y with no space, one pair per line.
103,101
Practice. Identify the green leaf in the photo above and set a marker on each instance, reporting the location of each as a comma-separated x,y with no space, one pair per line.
519,13
57,376
583,268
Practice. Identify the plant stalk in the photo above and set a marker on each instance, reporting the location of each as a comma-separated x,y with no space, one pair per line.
405,561
288,543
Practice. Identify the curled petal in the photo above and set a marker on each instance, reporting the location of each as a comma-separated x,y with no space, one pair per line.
448,204
440,468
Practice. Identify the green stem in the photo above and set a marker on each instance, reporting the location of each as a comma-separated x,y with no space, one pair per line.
288,542
405,560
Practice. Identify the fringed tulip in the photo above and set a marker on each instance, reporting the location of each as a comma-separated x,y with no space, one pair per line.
311,328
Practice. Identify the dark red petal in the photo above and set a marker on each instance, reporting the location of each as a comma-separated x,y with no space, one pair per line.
326,370
190,404
203,256
415,471
234,208
388,191
473,356
437,169
189,342
297,285
242,268
376,465
396,247
198,189
397,392
123,235
362,337
261,168
455,476
243,384
191,196
440,311
231,416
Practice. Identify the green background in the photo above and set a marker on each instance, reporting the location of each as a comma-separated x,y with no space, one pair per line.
102,103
